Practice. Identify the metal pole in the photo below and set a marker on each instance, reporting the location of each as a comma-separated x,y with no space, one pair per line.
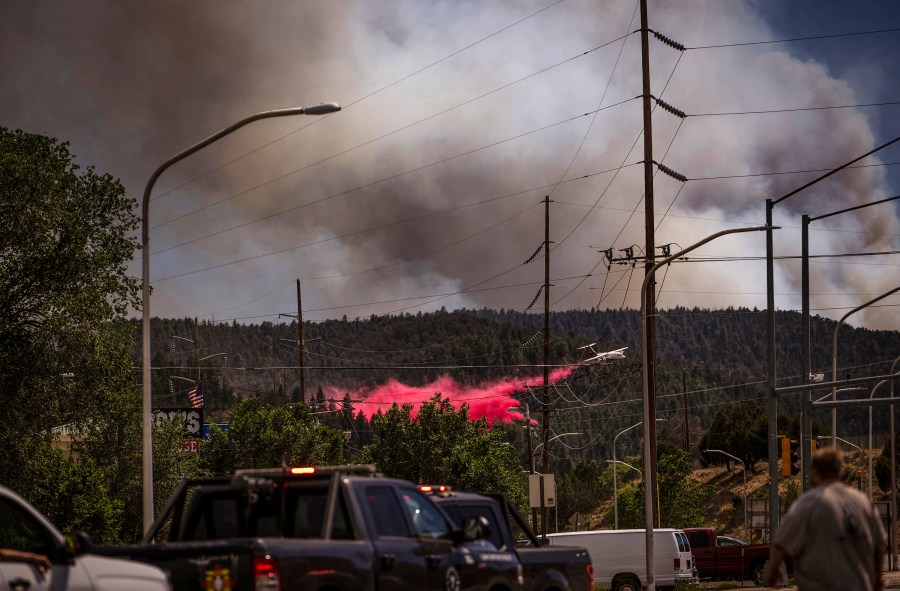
545,453
744,470
687,433
300,346
649,444
834,352
648,297
770,373
146,394
805,418
893,536
615,491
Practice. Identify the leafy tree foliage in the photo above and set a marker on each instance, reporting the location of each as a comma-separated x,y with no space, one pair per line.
66,236
265,436
440,445
739,429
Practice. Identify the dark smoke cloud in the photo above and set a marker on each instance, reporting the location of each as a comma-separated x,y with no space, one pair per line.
131,83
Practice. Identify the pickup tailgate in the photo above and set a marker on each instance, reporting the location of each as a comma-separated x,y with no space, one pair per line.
556,567
200,565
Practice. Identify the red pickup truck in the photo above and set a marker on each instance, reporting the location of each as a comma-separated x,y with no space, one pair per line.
721,557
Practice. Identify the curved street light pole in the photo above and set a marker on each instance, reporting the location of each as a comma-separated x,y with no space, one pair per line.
744,468
834,354
649,449
871,396
147,440
614,462
626,464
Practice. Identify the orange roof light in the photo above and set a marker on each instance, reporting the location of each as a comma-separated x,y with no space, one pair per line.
439,488
303,470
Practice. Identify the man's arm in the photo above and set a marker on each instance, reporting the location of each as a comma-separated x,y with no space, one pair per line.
776,557
38,560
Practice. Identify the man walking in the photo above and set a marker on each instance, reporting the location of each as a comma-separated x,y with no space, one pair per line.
832,534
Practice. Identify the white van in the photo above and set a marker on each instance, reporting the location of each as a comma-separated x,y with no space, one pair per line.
619,556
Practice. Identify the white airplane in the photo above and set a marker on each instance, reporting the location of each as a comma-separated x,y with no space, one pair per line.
603,357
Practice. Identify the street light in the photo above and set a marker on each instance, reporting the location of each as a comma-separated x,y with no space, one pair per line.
627,465
555,505
614,462
744,468
834,351
649,446
871,396
861,450
147,441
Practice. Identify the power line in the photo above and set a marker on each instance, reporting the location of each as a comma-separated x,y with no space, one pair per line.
792,110
384,179
390,133
793,39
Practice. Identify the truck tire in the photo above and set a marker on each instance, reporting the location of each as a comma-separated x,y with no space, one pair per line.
627,584
758,571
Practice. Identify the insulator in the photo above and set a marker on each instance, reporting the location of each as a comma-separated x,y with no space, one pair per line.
534,256
665,169
609,254
667,107
629,252
666,249
670,42
536,296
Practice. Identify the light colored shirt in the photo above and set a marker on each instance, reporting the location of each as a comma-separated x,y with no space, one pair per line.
831,533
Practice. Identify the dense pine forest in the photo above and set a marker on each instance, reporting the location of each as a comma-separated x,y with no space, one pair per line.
707,360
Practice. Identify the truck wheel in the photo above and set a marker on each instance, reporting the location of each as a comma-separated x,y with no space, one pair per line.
757,572
627,584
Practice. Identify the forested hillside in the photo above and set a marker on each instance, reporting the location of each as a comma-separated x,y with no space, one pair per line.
716,357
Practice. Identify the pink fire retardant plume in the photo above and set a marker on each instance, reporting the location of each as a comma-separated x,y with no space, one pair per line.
491,400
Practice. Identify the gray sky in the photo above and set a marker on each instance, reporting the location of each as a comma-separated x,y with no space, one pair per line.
426,190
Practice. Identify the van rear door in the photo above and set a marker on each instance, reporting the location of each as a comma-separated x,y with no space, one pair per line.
685,566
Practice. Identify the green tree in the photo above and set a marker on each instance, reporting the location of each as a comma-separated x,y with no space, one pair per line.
66,238
265,436
440,445
740,429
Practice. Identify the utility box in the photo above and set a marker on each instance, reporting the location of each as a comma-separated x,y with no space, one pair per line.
534,490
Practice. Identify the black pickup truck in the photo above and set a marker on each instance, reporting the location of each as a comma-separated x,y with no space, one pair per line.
318,529
545,568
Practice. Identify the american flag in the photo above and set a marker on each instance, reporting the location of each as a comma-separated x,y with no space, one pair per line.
196,396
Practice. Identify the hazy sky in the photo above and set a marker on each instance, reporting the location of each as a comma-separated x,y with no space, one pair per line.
426,190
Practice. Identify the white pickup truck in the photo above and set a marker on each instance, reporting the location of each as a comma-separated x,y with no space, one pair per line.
24,529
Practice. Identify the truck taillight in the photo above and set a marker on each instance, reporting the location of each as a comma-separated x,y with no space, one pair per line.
589,571
677,564
266,576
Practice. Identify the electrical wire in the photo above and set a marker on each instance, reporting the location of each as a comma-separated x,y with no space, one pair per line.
793,39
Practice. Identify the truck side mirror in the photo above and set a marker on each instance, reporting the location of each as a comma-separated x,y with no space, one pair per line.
78,543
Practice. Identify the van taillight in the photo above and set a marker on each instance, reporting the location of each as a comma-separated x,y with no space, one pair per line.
589,571
265,574
677,564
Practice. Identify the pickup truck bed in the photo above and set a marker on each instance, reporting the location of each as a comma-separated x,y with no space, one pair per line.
726,558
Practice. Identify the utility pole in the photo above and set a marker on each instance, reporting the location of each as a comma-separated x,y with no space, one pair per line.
197,349
300,346
649,303
805,400
687,434
545,453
